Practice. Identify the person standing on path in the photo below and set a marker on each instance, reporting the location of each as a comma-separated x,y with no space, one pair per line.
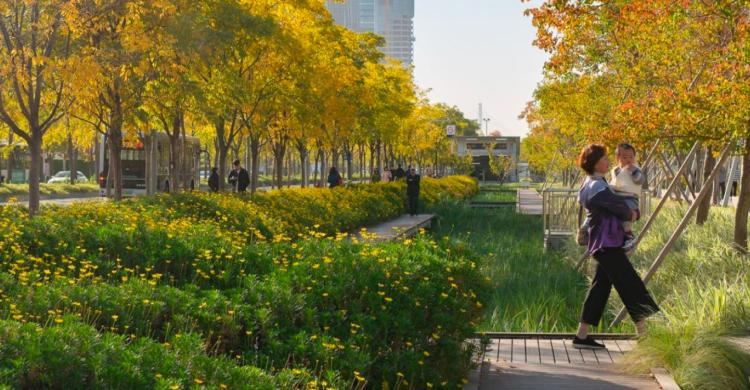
239,178
213,180
386,177
412,191
606,238
399,173
334,178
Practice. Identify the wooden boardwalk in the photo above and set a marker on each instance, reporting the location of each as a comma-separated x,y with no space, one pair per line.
403,226
529,202
549,361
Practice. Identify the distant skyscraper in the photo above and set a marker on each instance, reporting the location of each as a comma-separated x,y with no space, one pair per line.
392,19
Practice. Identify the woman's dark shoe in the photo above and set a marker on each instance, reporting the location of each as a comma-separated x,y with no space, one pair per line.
587,343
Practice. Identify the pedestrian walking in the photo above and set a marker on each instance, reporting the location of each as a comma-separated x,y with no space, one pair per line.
334,178
213,180
387,176
399,173
239,178
412,191
606,237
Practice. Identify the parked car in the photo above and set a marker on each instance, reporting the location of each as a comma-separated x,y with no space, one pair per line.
64,177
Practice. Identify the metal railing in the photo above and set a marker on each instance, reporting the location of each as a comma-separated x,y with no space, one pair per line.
561,208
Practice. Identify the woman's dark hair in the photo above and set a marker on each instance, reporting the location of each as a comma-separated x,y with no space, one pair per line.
332,171
236,163
623,147
591,155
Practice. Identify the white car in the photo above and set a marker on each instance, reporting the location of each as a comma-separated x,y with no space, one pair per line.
64,177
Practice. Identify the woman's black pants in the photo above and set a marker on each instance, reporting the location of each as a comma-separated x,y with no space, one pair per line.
614,269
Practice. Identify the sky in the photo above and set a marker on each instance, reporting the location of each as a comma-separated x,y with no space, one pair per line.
472,51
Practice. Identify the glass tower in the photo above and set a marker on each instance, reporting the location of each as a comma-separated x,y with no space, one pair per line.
392,19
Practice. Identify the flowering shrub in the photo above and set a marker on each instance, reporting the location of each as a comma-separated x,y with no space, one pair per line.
224,273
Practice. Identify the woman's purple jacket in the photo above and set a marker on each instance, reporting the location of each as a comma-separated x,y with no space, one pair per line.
606,212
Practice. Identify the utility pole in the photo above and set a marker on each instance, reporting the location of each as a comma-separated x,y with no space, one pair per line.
487,127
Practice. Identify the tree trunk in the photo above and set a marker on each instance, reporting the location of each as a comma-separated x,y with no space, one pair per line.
35,148
743,204
317,167
323,168
11,157
222,152
279,151
304,165
349,165
379,158
174,154
115,160
72,160
289,167
708,165
254,144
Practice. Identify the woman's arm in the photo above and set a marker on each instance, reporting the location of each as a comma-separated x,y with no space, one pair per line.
607,200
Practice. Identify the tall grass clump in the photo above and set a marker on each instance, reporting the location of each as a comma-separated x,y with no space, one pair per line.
703,289
530,290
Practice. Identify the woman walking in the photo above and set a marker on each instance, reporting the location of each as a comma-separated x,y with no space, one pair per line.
606,238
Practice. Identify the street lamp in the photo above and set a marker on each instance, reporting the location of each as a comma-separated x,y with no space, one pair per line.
486,126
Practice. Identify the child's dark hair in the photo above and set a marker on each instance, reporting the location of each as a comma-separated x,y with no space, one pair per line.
591,155
623,147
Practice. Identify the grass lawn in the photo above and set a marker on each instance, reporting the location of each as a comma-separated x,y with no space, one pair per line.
531,290
495,197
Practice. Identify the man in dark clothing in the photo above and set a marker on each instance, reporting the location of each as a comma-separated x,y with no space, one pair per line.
399,173
213,180
334,178
412,191
239,178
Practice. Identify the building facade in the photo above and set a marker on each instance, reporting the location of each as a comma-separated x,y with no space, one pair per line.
391,19
477,147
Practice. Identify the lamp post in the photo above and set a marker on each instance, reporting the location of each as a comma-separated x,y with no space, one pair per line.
486,126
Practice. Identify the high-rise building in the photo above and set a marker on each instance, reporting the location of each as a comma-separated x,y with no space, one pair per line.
392,19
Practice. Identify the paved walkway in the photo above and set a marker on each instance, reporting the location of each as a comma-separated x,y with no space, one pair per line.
529,202
403,226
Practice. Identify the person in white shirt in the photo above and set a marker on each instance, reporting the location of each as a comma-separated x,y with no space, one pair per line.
627,182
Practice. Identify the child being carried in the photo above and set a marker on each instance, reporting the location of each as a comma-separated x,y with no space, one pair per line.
627,182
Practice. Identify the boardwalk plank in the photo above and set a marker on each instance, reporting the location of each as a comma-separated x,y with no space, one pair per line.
588,356
529,202
624,345
561,352
545,361
532,351
547,352
576,357
519,351
504,350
